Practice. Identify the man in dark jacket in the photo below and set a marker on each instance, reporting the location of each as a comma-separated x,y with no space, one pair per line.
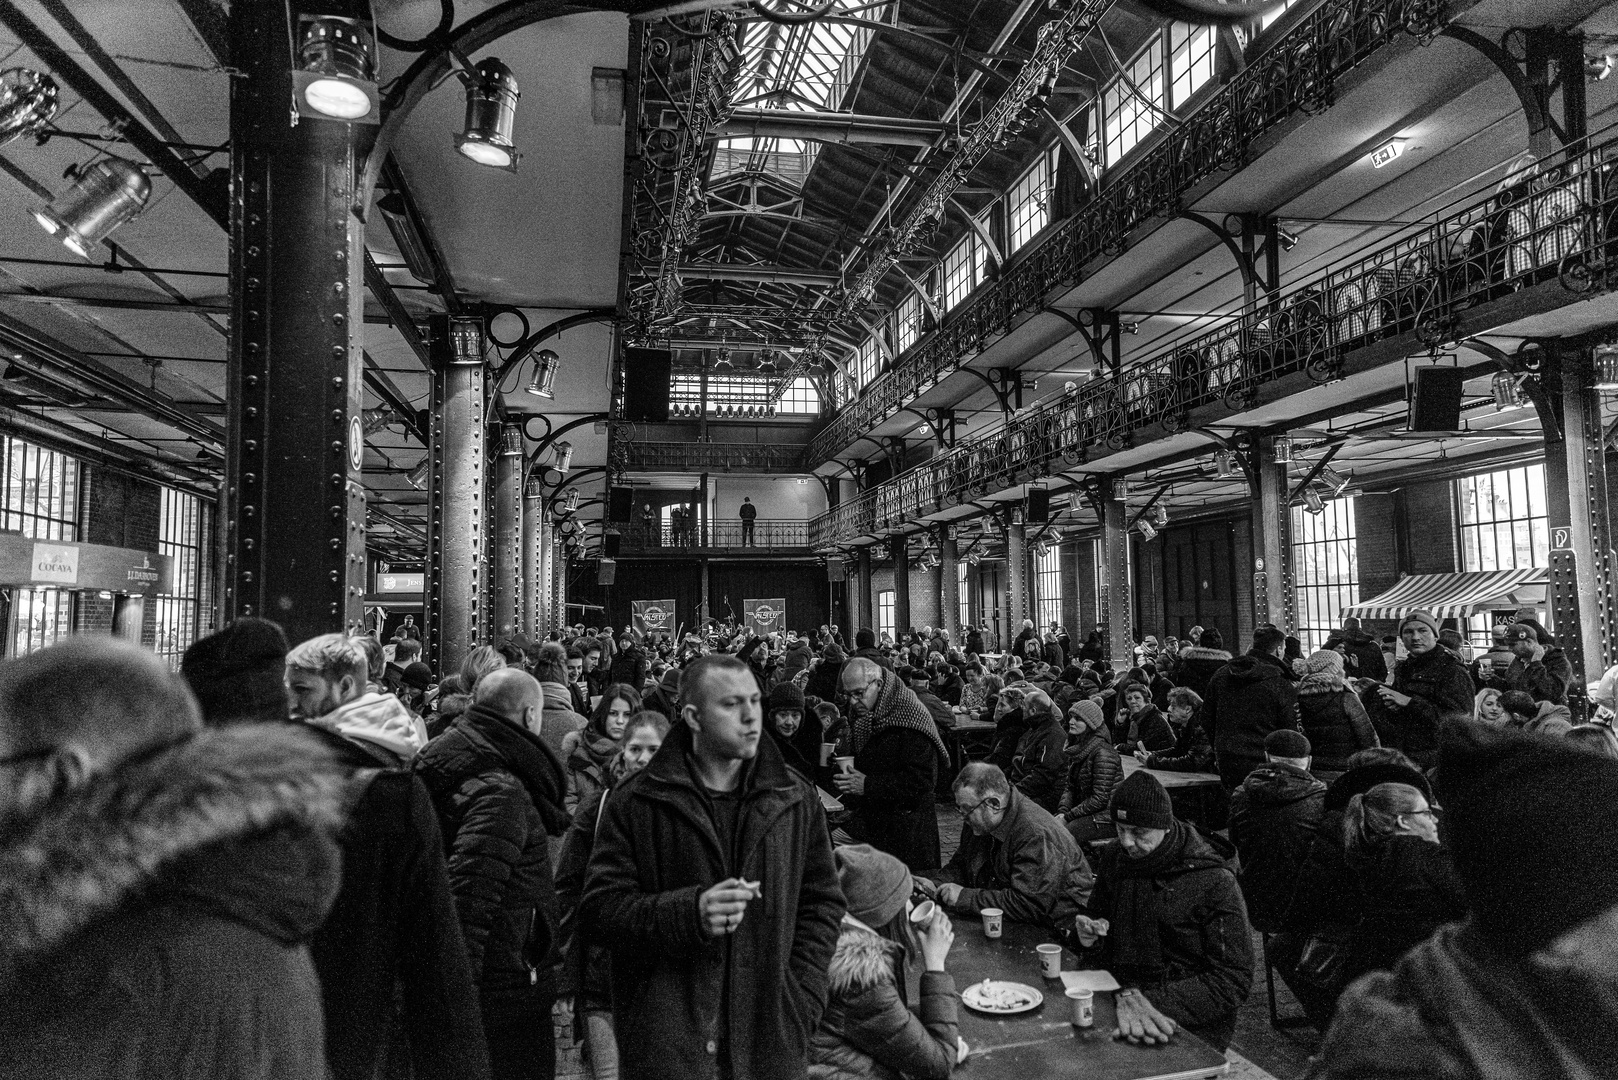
1038,769
1361,651
921,684
1013,855
1430,686
499,791
1539,669
1274,820
158,882
1178,939
1246,700
865,648
712,878
1199,662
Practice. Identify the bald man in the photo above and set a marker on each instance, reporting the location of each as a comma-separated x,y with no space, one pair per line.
499,790
897,754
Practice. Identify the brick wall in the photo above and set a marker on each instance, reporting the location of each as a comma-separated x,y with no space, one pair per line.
1242,548
1088,615
1427,528
924,594
120,511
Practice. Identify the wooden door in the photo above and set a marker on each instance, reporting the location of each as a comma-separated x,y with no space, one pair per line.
1199,579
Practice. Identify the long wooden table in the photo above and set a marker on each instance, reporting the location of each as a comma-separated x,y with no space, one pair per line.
1042,1043
1170,779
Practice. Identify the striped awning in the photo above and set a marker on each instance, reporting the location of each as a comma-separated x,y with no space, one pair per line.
1455,596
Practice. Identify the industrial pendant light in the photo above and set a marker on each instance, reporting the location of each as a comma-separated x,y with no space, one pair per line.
103,197
334,73
543,384
491,110
564,456
27,102
571,499
417,477
1312,501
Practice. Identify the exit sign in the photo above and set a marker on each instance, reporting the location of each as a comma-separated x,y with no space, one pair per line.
1387,153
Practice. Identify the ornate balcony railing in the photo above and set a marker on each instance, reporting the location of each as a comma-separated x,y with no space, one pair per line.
694,457
1555,225
766,534
1298,74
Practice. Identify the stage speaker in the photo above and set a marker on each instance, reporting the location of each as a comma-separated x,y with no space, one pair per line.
646,385
610,542
621,504
606,571
836,571
1436,404
1039,506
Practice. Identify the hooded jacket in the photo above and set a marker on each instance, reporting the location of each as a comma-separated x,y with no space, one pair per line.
381,724
1335,722
1246,700
1275,819
1038,768
656,851
1197,667
1093,770
153,918
868,1032
557,718
499,791
1364,653
1028,866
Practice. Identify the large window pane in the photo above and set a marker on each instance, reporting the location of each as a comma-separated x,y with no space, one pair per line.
1325,569
1129,115
1191,60
884,614
1048,588
1503,527
183,535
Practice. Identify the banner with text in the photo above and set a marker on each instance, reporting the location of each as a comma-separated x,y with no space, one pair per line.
654,616
765,616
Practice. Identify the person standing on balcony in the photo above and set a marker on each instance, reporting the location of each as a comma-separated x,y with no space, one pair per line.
748,512
648,525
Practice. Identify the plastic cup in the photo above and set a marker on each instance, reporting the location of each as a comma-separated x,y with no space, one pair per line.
1050,961
922,913
1083,1002
845,764
991,921
826,751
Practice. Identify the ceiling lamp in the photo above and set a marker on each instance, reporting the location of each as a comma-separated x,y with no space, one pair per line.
570,501
1281,450
335,76
1335,481
1505,391
723,359
1225,464
491,110
564,456
1160,515
1312,501
417,477
103,197
543,384
1147,531
27,102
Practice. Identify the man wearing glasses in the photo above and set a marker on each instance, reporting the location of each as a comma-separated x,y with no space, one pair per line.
1014,855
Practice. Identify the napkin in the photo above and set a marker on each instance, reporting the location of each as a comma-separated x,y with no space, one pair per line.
1089,980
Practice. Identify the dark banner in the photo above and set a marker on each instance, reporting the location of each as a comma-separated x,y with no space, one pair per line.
765,616
91,567
655,616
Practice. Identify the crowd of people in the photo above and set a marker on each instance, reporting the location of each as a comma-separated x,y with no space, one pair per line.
705,852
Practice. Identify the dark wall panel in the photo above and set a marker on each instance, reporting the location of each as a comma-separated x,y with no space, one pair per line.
802,585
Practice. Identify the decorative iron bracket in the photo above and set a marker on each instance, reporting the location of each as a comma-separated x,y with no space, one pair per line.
1100,330
1526,58
1248,237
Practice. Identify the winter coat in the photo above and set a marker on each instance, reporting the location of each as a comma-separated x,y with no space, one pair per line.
897,813
585,764
1407,889
1336,724
1439,689
558,718
796,659
1146,730
1028,866
1191,752
874,655
1246,700
949,689
393,923
1550,720
1038,768
381,724
585,974
868,1032
1197,667
974,642
1363,655
628,667
153,919
1202,934
499,791
1545,679
1275,818
1008,733
656,851
1456,1009
823,680
941,714
1093,770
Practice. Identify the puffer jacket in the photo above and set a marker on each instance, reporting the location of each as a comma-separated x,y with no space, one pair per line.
1336,724
499,791
868,1032
1440,690
1246,700
1275,819
1038,767
1029,866
1093,770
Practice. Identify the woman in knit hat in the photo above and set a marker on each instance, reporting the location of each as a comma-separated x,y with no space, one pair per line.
868,1030
796,731
1333,718
1168,920
1093,770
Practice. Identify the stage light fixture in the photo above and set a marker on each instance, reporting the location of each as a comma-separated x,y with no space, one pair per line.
491,110
1505,391
335,76
1281,451
1606,364
28,100
1147,532
103,197
1287,240
564,456
571,499
376,420
543,384
1225,464
1335,482
1160,515
1312,501
417,477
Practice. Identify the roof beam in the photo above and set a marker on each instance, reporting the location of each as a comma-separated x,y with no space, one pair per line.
829,127
778,275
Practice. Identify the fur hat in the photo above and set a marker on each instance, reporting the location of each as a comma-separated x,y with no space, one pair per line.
237,673
786,696
1142,802
1425,618
1284,742
875,884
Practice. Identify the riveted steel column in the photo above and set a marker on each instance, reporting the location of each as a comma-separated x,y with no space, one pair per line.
455,518
294,526
533,559
901,585
1114,597
1016,576
1272,540
949,580
864,598
508,532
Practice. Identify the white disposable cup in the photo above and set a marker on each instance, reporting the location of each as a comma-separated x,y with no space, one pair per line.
991,921
845,764
826,751
1084,1009
1050,961
922,913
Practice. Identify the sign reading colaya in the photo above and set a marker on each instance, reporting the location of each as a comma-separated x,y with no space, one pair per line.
654,616
91,567
765,616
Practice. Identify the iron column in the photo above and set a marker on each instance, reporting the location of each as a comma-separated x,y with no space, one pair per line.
455,520
533,560
1114,601
949,580
508,532
901,585
1272,539
1017,574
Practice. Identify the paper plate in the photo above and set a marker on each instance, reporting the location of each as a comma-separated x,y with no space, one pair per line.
1001,998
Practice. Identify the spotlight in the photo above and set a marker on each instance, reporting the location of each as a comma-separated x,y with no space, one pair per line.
27,102
335,77
1596,68
1041,550
1606,363
1335,481
564,456
1225,464
571,499
103,197
543,384
417,477
1287,240
491,110
1505,391
1312,502
1160,515
1281,451
376,420
1147,532
723,360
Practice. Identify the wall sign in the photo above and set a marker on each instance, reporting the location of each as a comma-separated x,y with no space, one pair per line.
97,567
400,583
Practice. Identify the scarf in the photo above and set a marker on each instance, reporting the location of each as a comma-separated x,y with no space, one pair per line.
1135,945
596,749
896,706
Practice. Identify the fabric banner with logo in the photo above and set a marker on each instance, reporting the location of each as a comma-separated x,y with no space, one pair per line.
765,616
654,616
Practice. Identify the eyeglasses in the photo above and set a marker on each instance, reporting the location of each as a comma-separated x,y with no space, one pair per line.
859,692
1433,810
970,810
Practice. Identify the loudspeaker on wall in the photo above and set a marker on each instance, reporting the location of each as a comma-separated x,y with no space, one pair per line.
606,571
620,504
1039,506
647,373
1436,403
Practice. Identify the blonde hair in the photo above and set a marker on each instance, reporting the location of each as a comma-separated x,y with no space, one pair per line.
331,656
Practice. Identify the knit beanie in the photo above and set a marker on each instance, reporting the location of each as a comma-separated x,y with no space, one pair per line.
1140,801
417,676
786,696
875,884
1528,823
1284,742
1088,712
238,673
1324,662
1423,617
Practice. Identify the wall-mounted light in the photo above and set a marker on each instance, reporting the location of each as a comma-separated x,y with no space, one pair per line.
417,477
564,456
334,77
571,499
1147,532
1387,153
1160,515
1281,451
543,384
103,197
1312,501
1505,391
491,110
28,100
